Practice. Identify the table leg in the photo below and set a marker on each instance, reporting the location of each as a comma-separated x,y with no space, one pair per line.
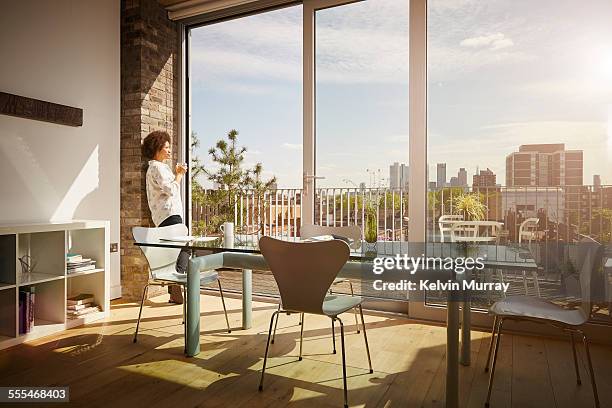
466,326
192,322
247,298
452,354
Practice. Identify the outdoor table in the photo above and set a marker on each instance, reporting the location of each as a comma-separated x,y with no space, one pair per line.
244,254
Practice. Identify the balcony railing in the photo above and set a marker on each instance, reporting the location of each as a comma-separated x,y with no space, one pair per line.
565,213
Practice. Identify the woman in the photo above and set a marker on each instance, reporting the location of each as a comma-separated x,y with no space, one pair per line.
164,195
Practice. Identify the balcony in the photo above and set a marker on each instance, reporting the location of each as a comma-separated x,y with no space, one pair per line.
565,214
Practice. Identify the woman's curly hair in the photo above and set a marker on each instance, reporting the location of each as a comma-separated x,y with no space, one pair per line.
153,143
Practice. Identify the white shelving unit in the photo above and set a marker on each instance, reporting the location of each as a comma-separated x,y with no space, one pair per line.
47,245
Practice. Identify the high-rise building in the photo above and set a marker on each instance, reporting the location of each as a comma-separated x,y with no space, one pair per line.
441,175
398,175
596,181
394,175
486,178
462,177
543,165
454,182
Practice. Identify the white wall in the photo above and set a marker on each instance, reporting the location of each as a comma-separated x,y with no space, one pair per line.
67,52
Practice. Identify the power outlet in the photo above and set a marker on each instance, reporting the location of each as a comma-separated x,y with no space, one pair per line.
114,247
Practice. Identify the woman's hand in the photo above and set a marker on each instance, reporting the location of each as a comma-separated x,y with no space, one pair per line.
180,170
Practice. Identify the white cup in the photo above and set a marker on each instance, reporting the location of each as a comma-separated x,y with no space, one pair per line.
227,228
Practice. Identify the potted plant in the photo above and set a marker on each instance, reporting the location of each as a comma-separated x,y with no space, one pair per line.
370,233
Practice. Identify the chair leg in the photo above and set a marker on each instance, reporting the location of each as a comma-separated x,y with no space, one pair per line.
334,336
525,283
275,324
495,321
591,372
229,330
354,310
492,373
184,317
343,362
365,337
500,277
578,381
263,369
301,336
184,288
144,294
536,283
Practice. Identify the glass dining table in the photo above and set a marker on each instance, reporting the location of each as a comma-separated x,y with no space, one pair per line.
242,253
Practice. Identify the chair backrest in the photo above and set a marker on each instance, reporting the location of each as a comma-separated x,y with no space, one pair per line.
466,230
446,222
159,259
463,231
304,271
588,260
350,231
528,229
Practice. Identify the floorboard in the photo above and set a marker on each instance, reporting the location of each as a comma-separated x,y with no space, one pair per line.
104,368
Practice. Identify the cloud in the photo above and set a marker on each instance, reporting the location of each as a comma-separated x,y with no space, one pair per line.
493,41
292,146
360,43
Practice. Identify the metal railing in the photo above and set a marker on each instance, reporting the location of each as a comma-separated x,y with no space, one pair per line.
564,212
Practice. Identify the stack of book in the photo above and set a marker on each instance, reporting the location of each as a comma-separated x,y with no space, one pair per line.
80,305
76,263
26,309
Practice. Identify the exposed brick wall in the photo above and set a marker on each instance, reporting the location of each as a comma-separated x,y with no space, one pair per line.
149,101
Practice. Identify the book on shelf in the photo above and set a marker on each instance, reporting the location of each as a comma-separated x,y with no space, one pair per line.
80,299
75,261
81,269
86,261
78,307
26,309
74,258
82,312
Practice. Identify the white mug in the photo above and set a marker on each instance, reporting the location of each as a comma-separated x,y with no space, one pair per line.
227,228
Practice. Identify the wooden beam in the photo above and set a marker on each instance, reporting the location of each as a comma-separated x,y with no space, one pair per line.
35,109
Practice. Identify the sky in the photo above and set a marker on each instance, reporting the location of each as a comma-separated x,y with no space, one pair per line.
500,74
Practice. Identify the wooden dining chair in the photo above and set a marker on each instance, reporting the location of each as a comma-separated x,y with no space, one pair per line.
304,272
588,259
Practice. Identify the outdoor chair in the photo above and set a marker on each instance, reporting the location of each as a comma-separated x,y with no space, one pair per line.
445,223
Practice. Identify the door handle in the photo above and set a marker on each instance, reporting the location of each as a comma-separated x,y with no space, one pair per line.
310,177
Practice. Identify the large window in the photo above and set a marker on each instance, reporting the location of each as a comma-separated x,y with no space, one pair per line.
246,76
519,99
361,104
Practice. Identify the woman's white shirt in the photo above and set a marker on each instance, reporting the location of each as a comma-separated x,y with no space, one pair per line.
163,192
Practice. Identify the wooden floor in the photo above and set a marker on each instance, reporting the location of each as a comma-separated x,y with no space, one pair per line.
104,368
